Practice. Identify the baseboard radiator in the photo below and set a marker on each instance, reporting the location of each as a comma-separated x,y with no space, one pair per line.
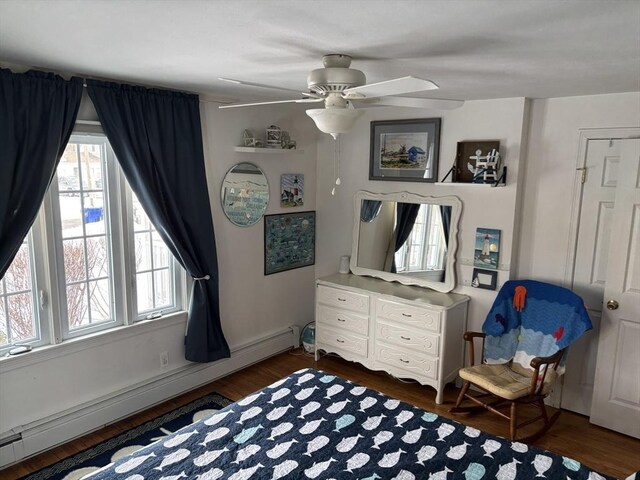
28,440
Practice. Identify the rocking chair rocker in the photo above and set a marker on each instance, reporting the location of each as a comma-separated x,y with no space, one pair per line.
524,343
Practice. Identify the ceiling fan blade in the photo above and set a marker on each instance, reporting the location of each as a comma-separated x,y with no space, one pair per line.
300,100
433,103
260,85
397,86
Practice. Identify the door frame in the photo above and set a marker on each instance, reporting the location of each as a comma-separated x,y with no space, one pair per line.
585,134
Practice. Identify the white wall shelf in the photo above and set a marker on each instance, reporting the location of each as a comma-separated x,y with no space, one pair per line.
268,150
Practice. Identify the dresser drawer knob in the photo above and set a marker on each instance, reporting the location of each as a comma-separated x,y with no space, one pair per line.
339,341
342,299
407,315
404,361
405,338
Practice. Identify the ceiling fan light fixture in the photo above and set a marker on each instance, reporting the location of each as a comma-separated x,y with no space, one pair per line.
334,120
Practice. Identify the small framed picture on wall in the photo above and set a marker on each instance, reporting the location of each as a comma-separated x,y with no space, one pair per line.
487,279
291,190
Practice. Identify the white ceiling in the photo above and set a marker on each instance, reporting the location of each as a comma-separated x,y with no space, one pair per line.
473,49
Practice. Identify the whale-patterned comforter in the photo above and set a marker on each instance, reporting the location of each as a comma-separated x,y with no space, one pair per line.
313,425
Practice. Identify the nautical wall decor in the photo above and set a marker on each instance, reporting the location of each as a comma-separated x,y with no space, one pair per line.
487,248
474,158
291,190
289,241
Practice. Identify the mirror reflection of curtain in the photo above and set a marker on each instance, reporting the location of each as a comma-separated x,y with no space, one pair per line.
370,210
406,214
445,213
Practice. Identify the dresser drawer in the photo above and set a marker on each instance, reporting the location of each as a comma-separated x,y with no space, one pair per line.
337,298
411,362
409,315
420,341
343,319
343,340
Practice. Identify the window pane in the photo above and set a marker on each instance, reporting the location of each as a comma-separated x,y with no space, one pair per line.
21,318
160,252
97,257
99,299
94,213
4,332
18,315
143,251
18,276
74,260
91,166
140,219
70,214
77,305
162,284
145,291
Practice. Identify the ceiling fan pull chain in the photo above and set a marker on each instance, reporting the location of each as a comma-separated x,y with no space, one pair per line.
336,162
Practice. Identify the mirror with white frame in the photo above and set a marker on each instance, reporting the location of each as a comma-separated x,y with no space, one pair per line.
244,194
407,238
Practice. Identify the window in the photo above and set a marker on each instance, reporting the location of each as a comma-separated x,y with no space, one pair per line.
85,231
425,248
155,270
90,236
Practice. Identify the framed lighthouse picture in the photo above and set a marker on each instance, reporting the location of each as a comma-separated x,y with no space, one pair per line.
291,190
487,248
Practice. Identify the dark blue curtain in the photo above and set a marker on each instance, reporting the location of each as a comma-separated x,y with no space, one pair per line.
406,214
157,137
37,114
445,214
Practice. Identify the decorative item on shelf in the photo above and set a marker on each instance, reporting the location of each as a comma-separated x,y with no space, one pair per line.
487,248
274,136
487,279
289,241
405,150
249,140
291,190
486,168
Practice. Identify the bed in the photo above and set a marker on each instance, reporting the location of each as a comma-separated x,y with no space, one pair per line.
318,426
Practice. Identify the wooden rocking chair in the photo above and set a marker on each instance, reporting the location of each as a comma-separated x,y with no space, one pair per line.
552,319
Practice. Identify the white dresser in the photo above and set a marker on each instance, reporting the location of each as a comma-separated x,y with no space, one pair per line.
409,332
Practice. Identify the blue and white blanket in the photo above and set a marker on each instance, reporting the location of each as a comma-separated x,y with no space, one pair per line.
313,425
550,318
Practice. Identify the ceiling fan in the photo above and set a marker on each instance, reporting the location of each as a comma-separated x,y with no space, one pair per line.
342,88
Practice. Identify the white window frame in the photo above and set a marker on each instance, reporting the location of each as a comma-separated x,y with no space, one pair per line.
47,258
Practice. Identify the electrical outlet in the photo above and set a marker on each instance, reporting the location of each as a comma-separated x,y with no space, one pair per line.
164,359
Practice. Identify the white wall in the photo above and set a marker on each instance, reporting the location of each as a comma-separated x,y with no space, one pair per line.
551,170
504,120
252,303
253,306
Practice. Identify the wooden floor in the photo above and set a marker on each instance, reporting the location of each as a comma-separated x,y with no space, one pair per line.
572,436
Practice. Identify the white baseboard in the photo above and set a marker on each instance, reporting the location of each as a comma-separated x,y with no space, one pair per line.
61,428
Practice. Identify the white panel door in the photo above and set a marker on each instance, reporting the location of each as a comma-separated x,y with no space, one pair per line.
592,250
616,393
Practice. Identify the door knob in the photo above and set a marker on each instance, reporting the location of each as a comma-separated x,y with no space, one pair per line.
612,305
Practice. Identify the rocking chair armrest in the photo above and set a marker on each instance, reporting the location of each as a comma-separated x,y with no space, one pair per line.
537,363
470,337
